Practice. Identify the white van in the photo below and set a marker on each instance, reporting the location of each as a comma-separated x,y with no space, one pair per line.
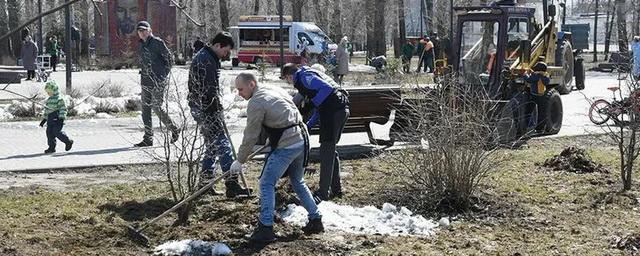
258,40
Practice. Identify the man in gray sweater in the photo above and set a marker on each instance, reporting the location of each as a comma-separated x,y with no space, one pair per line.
272,109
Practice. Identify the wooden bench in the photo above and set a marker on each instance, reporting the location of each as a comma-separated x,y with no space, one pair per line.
367,105
616,61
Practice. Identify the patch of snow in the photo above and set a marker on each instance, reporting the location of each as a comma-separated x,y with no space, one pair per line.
362,68
84,108
4,114
365,220
444,222
103,116
191,247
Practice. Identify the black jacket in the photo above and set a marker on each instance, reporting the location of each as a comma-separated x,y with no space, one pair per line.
155,61
204,86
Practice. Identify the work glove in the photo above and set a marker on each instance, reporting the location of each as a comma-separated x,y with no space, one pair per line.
43,122
236,167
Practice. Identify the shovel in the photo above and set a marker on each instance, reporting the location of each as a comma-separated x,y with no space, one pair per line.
139,237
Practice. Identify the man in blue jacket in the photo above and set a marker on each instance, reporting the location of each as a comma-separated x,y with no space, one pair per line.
331,109
207,110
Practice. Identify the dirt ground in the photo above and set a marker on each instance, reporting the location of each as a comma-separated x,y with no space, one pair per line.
525,209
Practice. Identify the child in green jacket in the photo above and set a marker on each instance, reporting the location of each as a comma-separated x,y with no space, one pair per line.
54,114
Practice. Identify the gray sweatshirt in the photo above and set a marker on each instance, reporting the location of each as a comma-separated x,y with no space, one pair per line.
272,107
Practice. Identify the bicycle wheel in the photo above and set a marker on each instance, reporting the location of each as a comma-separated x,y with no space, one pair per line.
599,111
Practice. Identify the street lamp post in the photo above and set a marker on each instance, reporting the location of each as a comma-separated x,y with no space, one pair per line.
281,32
595,35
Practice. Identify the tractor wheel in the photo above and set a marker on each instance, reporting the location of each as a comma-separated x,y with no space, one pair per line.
579,73
567,66
554,112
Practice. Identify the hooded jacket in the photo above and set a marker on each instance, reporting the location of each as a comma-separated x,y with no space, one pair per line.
55,103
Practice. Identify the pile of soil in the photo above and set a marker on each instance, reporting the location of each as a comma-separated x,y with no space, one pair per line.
574,159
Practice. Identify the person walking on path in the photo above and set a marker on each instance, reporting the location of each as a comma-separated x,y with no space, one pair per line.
53,50
155,64
272,109
342,61
29,54
54,113
207,111
407,54
332,110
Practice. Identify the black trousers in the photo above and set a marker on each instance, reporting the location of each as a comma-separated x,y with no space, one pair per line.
54,130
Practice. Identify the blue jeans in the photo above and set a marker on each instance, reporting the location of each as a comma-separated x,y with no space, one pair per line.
217,145
279,161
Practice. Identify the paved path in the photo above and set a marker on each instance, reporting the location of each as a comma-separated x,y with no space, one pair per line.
108,141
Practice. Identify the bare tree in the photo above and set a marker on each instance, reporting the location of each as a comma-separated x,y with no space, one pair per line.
379,28
619,121
371,36
608,27
336,28
256,7
5,48
621,14
296,6
457,138
224,15
321,14
14,9
402,28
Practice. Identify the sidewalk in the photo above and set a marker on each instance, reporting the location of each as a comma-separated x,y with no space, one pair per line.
99,142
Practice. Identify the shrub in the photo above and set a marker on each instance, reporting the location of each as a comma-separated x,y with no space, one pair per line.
457,139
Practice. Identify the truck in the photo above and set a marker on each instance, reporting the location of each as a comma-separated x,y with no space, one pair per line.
493,47
258,39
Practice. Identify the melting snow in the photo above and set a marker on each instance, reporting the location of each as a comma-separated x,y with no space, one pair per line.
191,247
390,220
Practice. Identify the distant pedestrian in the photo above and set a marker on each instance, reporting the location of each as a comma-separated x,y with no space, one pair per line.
428,56
407,54
155,64
53,49
29,55
635,47
420,51
197,45
342,61
54,113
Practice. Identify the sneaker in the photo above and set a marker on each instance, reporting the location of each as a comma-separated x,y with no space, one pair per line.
67,146
234,189
50,150
144,143
262,234
314,226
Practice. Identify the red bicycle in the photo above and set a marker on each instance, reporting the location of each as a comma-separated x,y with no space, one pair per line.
602,110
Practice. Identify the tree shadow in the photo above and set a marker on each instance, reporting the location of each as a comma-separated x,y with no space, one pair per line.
136,211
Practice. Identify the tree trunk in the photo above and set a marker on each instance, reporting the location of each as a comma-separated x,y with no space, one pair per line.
623,42
429,17
401,26
608,28
371,37
379,28
5,50
13,9
321,17
296,6
84,29
256,7
224,15
636,20
336,29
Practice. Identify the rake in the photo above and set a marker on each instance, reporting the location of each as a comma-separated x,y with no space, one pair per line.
136,233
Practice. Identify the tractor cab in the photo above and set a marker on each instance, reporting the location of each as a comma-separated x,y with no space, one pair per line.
488,41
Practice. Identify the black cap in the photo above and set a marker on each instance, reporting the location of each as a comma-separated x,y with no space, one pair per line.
144,25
